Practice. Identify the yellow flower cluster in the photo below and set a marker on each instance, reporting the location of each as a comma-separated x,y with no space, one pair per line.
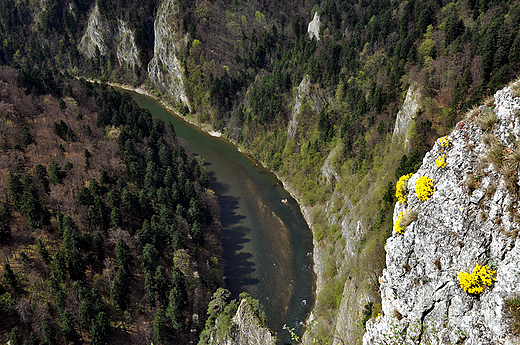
473,283
401,189
398,228
440,161
444,141
424,188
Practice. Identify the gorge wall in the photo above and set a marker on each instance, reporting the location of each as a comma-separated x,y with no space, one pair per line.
346,207
471,218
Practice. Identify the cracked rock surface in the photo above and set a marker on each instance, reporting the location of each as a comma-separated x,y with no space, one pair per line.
471,218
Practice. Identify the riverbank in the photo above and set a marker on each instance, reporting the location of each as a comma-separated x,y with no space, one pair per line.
305,211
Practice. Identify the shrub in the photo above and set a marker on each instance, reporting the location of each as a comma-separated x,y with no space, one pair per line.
473,283
401,188
440,162
424,188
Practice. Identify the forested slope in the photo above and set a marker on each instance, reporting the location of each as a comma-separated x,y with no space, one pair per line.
318,111
107,223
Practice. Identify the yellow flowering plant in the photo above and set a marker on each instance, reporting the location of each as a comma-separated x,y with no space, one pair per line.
440,161
473,283
444,141
401,189
424,188
398,228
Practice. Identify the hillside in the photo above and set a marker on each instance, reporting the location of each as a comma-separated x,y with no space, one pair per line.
105,230
315,103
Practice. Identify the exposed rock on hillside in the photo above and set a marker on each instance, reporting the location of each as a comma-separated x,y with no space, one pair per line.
471,218
94,36
407,113
165,70
314,27
246,329
99,37
127,51
305,93
301,92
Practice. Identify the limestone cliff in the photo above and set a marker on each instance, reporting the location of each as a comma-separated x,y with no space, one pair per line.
95,36
246,329
314,27
99,36
127,51
406,114
471,218
165,70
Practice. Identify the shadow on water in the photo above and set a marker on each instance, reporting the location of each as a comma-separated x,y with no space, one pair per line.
267,243
240,266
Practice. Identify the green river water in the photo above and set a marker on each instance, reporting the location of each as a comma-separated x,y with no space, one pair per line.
267,243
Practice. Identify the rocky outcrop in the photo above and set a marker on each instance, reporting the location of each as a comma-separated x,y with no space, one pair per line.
94,37
301,92
314,27
406,114
127,51
246,329
165,70
308,95
471,218
99,37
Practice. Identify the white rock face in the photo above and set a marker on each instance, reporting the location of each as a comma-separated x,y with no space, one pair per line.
314,27
456,229
127,51
165,70
407,113
94,36
301,92
98,35
246,329
305,93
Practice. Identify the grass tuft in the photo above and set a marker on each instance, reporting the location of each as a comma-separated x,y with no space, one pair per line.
409,217
487,119
513,306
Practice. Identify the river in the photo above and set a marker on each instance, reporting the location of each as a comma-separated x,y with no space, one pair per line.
267,243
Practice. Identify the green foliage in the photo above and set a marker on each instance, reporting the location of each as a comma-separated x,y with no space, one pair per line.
177,300
367,313
160,327
15,337
221,311
99,329
5,226
8,276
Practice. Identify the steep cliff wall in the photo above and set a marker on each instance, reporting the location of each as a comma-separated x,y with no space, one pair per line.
127,51
99,36
471,218
95,36
165,70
